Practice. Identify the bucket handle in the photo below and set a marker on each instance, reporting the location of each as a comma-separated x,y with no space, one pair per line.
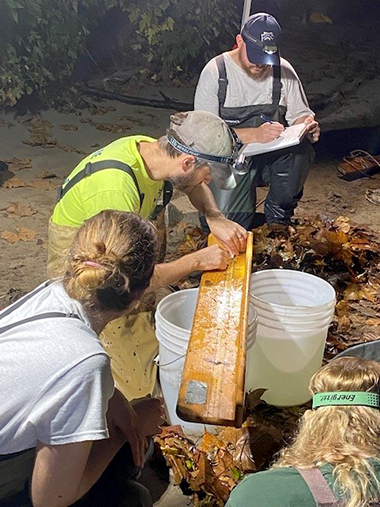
157,361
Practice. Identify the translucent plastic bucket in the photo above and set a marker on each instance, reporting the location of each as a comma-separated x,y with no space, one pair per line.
294,310
174,319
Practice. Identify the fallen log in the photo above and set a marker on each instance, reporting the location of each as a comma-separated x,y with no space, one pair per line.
141,101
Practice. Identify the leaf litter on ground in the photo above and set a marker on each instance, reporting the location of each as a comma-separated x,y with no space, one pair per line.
21,234
15,209
344,254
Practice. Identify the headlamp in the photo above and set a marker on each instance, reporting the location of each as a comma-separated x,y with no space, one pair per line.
236,161
267,46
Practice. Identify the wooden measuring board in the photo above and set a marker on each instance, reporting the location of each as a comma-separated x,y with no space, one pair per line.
212,388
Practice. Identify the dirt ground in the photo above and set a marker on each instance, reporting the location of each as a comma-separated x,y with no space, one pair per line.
66,138
23,263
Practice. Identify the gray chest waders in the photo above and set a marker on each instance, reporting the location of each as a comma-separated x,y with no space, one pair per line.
285,171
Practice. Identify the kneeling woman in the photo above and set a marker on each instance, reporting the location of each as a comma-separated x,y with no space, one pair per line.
61,422
335,458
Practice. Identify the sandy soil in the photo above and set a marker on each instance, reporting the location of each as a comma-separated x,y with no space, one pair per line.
23,262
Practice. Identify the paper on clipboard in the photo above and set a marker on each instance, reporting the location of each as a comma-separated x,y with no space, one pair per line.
290,136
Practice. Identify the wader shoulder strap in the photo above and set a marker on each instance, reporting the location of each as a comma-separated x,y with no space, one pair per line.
277,85
319,488
222,81
91,168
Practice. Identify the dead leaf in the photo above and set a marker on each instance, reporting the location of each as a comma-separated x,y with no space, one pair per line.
100,110
47,175
21,234
20,210
19,163
69,127
11,237
86,120
14,183
42,184
37,139
26,234
116,128
69,149
343,224
2,123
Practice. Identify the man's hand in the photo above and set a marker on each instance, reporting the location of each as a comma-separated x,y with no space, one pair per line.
268,132
231,234
313,130
210,258
122,419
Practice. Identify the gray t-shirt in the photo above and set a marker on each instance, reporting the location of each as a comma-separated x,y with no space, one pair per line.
55,376
243,90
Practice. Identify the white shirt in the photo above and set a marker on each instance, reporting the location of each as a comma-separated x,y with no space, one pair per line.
55,376
243,90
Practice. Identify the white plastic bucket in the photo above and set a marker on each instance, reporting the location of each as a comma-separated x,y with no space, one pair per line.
294,310
174,320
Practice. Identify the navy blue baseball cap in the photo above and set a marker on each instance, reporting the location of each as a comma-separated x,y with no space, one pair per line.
260,33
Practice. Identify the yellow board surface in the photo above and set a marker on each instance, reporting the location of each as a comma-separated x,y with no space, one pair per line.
212,388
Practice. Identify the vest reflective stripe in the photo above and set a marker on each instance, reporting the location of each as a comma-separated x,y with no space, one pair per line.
91,168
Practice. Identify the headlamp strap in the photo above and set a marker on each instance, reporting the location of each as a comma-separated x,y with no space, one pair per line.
186,149
238,142
341,398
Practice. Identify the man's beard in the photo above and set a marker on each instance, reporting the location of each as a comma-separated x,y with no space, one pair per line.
183,182
253,71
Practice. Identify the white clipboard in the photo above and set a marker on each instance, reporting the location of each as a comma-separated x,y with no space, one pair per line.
290,136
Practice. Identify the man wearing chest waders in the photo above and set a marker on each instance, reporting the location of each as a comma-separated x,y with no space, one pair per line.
259,94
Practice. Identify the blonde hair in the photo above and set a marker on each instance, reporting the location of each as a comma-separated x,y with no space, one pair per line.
344,436
111,260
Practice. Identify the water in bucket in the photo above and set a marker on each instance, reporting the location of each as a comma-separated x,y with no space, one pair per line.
294,310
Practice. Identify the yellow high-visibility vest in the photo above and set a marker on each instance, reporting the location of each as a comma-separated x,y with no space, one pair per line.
111,187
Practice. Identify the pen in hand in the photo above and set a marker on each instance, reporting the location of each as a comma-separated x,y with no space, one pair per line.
265,118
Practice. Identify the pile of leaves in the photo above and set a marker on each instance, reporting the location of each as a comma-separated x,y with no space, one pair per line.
208,469
348,257
345,255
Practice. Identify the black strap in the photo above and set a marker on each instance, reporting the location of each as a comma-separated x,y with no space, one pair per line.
277,85
222,81
167,193
91,168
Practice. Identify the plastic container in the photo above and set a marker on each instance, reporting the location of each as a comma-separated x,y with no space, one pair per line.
174,320
294,310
